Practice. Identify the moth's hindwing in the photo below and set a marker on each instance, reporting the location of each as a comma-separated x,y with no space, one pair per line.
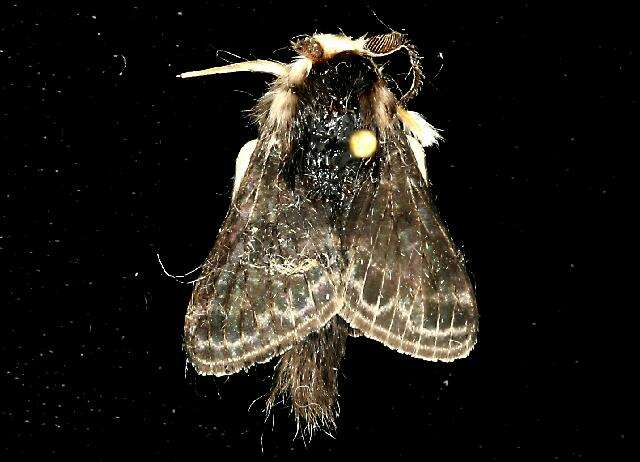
271,278
405,284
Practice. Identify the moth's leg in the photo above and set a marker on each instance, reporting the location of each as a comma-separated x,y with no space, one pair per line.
242,162
419,133
421,130
418,153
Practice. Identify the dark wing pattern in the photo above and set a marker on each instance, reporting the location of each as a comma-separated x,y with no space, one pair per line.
271,278
405,285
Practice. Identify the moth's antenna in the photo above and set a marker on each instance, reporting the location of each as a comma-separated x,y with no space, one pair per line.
386,44
259,65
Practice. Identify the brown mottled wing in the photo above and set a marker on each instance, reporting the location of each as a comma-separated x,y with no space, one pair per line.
405,284
270,278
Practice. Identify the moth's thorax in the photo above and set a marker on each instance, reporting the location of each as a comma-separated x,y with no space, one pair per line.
330,110
337,84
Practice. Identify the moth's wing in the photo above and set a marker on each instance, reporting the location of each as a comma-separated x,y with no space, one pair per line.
405,284
271,277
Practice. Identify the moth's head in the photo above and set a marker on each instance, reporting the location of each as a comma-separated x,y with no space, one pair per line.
319,49
325,54
323,47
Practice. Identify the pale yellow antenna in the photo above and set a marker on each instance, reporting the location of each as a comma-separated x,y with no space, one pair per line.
259,65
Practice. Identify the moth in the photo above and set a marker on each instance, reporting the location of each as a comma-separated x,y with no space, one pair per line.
331,230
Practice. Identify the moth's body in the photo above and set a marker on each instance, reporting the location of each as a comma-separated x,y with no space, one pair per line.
331,230
321,166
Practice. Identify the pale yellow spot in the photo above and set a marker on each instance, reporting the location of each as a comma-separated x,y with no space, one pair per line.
362,144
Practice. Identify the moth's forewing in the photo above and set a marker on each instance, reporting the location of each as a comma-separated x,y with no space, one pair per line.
271,278
405,284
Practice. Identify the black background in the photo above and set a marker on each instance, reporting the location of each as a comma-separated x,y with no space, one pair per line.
107,160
